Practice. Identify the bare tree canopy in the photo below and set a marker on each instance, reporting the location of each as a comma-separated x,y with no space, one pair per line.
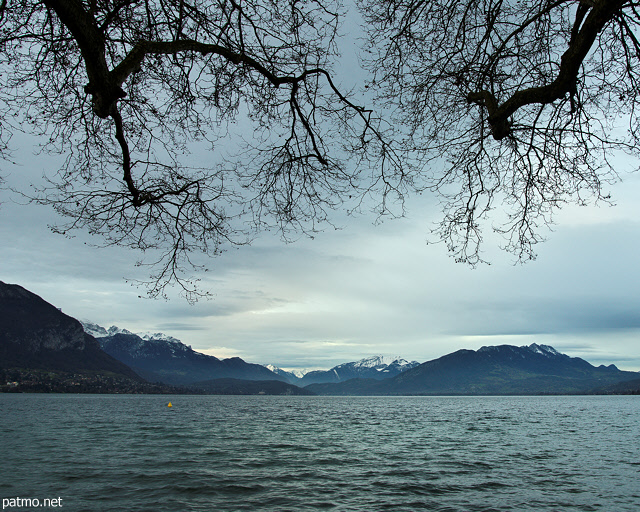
518,102
123,88
522,102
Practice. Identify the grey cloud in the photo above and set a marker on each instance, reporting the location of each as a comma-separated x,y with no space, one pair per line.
177,326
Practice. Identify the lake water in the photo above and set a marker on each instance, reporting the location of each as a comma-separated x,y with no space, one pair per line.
263,453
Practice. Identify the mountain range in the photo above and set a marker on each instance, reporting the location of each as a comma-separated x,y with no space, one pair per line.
494,370
161,358
375,367
47,350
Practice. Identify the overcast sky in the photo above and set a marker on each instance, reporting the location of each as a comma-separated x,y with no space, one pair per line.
355,292
361,290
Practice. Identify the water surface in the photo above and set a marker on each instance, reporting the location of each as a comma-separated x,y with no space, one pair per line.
263,453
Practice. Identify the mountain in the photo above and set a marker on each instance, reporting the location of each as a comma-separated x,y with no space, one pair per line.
42,349
374,367
97,331
35,335
161,358
496,370
94,330
292,377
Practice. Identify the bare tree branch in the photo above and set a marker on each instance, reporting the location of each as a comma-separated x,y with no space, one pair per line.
126,88
583,37
517,103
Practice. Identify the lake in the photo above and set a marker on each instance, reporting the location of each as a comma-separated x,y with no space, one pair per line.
270,453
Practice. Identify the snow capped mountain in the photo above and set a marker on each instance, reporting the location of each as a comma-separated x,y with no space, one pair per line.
295,374
116,330
496,370
97,331
380,363
132,348
139,345
374,367
523,351
161,358
291,375
370,362
158,336
94,330
544,350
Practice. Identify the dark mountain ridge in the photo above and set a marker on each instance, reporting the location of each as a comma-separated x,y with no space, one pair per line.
36,335
504,369
45,350
172,362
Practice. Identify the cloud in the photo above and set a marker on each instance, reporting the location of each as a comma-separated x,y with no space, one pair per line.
178,326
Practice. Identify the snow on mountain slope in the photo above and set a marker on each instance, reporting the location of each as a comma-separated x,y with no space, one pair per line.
97,331
379,362
373,367
291,375
94,330
544,350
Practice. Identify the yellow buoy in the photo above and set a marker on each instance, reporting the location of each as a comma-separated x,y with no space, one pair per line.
169,405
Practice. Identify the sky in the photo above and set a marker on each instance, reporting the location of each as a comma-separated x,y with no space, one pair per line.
360,290
354,292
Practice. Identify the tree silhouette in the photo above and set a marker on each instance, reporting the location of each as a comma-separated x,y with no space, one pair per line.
124,88
522,102
515,101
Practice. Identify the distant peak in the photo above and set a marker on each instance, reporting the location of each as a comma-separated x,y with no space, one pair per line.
496,348
97,331
380,360
296,372
158,336
544,350
94,330
371,361
116,330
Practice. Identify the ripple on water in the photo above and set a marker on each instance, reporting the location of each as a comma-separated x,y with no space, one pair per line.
113,453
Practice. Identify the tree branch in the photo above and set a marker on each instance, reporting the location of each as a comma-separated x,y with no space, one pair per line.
91,42
601,14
